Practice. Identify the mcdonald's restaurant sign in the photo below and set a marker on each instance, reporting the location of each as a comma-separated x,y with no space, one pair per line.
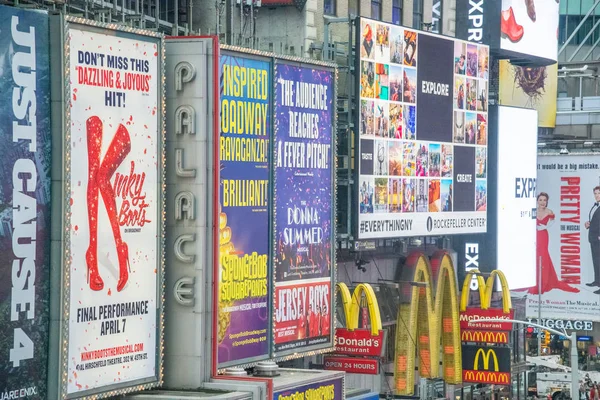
351,340
432,320
473,318
467,335
489,365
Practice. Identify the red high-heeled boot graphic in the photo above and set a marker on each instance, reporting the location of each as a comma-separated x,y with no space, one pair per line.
509,26
94,142
118,150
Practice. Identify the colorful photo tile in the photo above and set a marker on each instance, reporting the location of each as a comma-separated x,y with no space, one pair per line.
397,45
421,195
395,157
382,43
409,89
409,158
482,95
481,162
460,57
483,61
459,127
471,128
381,195
435,159
396,121
435,204
471,94
410,48
472,60
366,45
396,78
422,160
459,92
380,163
367,117
366,191
446,195
481,130
447,160
481,195
382,116
367,79
382,81
394,195
410,122
408,195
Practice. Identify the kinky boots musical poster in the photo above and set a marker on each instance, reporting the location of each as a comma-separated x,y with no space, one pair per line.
116,134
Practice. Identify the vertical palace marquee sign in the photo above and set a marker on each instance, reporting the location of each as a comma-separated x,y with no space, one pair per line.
432,321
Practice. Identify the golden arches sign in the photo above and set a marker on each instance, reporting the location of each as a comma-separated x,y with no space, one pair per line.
351,306
429,320
486,290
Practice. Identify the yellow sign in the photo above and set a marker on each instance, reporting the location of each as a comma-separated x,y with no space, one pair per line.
530,88
485,290
433,322
351,306
486,360
484,336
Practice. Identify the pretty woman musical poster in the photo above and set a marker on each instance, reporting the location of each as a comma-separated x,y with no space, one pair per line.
568,238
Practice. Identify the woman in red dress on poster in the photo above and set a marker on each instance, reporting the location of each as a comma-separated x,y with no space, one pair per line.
549,278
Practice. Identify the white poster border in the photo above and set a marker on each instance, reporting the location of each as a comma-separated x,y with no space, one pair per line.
68,23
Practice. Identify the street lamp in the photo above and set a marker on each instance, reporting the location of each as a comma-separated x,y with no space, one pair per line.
574,359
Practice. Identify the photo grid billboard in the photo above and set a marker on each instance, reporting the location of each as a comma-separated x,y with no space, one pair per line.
115,224
568,238
25,140
423,126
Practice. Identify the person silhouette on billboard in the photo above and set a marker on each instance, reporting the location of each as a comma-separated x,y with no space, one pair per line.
593,227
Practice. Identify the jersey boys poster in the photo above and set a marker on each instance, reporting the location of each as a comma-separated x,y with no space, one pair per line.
302,313
115,154
243,319
568,238
423,126
24,202
303,197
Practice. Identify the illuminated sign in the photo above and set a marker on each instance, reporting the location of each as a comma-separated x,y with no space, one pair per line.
494,367
432,321
354,341
473,318
484,336
352,365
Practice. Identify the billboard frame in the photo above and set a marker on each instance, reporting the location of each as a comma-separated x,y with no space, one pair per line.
355,210
235,52
315,349
318,348
60,295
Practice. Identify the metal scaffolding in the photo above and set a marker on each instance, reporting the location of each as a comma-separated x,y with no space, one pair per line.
172,17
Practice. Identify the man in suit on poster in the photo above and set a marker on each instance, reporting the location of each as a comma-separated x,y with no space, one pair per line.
593,227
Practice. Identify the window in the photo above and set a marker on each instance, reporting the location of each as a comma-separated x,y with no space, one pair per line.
376,9
397,12
417,13
330,7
